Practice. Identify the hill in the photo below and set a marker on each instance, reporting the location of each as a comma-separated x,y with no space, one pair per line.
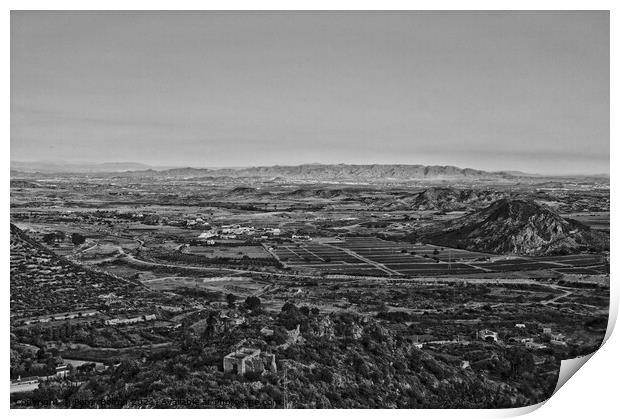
450,199
515,226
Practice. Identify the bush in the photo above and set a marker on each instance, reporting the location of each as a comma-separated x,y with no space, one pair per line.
252,302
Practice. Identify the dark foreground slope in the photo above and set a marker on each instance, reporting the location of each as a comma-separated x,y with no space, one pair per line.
338,361
516,227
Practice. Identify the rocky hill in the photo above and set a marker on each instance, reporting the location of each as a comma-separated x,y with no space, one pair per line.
451,199
513,226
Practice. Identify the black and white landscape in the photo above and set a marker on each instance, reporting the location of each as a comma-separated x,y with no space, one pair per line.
171,246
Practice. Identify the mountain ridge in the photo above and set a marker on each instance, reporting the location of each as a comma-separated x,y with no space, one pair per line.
304,172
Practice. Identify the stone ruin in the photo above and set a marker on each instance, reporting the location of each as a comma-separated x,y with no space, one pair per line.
245,360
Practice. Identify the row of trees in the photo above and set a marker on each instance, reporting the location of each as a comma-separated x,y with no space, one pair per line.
60,236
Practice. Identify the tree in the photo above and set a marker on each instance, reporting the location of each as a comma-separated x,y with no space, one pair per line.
51,238
77,239
252,302
41,354
230,299
288,306
279,335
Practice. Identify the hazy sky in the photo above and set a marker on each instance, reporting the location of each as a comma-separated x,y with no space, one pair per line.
490,90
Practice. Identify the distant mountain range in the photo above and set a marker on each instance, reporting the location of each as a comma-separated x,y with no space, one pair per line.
66,167
514,226
304,172
358,172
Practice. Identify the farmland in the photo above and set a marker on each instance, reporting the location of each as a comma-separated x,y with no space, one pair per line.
380,257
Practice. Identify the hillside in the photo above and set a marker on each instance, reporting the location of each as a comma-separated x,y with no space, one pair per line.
450,198
42,282
511,226
336,361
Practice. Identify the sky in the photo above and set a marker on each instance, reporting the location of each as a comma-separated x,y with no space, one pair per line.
501,90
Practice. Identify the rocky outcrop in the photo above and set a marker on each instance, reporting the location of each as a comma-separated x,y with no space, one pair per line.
512,226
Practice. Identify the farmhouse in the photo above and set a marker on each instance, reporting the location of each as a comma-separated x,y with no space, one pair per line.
171,309
62,370
265,331
488,335
534,345
207,235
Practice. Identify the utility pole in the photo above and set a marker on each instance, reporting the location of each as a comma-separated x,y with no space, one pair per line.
285,388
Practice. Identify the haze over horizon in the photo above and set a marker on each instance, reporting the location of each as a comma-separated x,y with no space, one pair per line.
496,91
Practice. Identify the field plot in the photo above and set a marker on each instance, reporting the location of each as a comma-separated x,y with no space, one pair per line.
295,254
372,256
446,254
410,259
241,286
371,246
233,252
325,258
573,260
578,264
597,220
520,264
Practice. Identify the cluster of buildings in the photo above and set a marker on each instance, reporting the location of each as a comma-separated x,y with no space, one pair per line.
88,316
59,317
234,231
130,320
529,342
28,384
